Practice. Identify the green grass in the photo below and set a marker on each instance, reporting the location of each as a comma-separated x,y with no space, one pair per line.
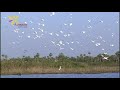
37,66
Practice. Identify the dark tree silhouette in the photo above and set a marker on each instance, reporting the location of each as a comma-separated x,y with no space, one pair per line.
61,56
50,55
89,53
37,55
117,55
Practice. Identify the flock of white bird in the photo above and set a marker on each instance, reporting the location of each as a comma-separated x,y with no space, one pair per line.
40,32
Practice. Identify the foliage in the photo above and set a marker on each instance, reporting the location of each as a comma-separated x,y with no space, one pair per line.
81,61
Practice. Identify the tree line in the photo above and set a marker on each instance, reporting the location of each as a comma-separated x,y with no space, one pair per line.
61,56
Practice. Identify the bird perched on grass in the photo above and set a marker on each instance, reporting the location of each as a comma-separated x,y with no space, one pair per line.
60,68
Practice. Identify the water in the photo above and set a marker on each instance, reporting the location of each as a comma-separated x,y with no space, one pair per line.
102,75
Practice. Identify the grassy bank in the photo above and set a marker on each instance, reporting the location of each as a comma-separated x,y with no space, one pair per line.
38,66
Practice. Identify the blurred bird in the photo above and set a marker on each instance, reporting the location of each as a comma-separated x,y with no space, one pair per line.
60,68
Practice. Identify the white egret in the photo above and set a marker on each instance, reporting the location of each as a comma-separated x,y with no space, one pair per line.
60,68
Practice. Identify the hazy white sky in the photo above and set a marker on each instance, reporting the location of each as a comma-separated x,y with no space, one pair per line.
72,33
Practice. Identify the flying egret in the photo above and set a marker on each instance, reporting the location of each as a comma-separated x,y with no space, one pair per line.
104,58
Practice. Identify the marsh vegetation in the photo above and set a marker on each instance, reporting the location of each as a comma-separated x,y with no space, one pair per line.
50,64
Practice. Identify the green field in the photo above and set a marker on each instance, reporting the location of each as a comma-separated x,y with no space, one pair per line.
49,64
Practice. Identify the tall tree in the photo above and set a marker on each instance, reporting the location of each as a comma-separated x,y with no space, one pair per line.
89,53
50,55
23,56
99,56
3,56
117,55
61,56
78,58
6,57
81,57
84,55
37,55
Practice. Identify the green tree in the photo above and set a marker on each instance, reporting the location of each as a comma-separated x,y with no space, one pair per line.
117,55
78,58
6,57
50,55
89,53
61,56
113,58
3,56
84,55
23,57
81,57
73,58
37,56
99,56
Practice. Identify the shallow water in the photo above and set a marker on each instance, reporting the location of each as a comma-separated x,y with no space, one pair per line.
102,75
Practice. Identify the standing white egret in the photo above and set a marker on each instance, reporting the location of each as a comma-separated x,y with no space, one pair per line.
60,68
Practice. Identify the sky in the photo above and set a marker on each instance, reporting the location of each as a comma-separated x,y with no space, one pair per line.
72,33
